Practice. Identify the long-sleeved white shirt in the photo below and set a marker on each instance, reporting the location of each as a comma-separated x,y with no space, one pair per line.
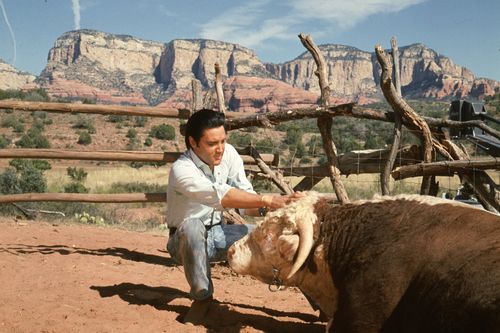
195,192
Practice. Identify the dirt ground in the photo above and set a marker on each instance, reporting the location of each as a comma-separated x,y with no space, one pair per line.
80,278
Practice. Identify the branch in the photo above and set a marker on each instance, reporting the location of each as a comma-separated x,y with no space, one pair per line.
400,106
218,89
276,177
325,123
445,168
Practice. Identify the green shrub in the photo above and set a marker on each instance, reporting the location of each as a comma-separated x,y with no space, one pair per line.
131,133
76,174
88,101
40,114
75,187
29,175
9,183
239,140
115,118
4,141
10,121
19,128
33,139
148,142
137,187
140,121
23,164
84,138
163,132
84,123
31,180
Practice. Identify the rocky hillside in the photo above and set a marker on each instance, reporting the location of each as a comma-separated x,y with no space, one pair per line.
353,73
122,69
11,78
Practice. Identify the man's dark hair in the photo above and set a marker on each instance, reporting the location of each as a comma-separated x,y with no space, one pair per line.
200,121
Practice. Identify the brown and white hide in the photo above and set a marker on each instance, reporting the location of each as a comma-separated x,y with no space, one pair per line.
393,264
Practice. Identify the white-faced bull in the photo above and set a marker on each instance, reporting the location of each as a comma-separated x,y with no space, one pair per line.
403,264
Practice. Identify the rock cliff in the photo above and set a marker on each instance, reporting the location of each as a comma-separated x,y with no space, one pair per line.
355,74
11,78
122,69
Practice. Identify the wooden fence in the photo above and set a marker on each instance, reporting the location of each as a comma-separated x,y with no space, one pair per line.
435,142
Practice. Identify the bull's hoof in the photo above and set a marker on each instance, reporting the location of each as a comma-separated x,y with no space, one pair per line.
198,311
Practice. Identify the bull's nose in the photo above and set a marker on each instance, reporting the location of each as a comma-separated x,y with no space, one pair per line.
230,252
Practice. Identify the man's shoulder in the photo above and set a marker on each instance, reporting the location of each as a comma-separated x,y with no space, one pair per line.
184,161
231,151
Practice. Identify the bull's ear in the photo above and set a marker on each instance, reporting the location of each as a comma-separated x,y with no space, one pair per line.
287,246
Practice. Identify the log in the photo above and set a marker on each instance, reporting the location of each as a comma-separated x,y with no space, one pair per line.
400,106
325,123
84,197
221,104
110,155
395,61
445,168
275,176
74,108
197,101
358,162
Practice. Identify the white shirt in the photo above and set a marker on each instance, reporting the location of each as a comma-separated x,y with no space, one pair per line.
195,192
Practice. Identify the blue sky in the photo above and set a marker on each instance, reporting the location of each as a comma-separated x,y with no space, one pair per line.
468,32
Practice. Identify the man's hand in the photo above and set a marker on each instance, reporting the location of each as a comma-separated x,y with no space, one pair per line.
279,201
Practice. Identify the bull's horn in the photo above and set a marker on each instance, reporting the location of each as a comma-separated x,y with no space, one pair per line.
305,229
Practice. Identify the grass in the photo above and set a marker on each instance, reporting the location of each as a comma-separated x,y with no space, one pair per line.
101,178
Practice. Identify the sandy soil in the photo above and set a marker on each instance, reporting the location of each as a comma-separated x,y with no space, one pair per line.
79,278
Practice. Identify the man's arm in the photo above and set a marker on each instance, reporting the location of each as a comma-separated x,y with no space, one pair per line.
236,198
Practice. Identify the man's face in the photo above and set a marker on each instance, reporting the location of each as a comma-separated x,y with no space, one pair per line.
211,146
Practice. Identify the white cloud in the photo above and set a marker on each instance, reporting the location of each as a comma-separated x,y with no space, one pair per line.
251,24
347,14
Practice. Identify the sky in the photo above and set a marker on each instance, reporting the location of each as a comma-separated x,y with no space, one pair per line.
466,31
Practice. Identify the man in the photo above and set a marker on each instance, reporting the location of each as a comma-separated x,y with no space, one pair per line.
207,179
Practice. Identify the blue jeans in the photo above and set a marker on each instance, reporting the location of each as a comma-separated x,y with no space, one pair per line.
194,247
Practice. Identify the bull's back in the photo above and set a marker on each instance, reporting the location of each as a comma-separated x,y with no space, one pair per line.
430,268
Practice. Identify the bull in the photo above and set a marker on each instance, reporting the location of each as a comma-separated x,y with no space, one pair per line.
407,263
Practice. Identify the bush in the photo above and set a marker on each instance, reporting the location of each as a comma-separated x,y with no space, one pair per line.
33,139
4,141
9,183
239,140
84,123
140,121
18,128
137,187
116,118
78,175
75,188
163,132
131,133
26,178
10,121
148,142
265,145
31,180
84,138
22,164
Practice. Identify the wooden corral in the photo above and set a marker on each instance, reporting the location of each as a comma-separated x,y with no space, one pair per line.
437,154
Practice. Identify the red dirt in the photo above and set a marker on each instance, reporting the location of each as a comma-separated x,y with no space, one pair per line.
79,278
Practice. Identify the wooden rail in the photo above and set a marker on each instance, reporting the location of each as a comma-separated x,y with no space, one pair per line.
445,168
110,155
84,197
146,111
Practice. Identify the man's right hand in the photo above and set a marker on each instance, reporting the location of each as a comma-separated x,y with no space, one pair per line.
278,201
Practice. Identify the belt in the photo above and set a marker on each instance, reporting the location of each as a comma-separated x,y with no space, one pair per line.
172,230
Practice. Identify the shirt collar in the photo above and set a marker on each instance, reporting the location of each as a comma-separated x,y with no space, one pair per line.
198,162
